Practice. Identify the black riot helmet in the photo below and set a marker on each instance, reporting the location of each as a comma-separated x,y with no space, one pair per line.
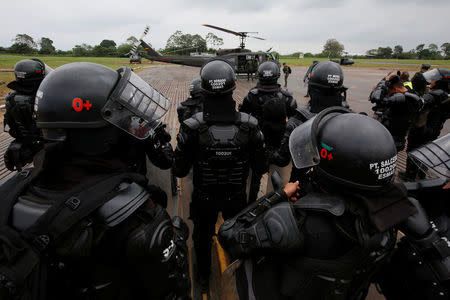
268,73
217,77
79,102
29,73
195,88
325,85
326,75
346,149
434,158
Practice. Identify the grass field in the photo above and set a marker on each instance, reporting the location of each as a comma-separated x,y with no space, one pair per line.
7,61
403,64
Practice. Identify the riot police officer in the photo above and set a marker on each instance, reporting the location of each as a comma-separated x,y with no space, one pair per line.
432,117
18,121
221,145
421,270
82,224
270,105
395,106
193,104
326,88
329,244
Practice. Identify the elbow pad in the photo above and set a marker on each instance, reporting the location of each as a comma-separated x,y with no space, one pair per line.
277,230
395,98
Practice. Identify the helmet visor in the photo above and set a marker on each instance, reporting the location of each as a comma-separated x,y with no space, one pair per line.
432,75
302,145
434,158
134,106
303,140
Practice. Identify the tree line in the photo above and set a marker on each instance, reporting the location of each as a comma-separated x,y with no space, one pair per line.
332,49
180,43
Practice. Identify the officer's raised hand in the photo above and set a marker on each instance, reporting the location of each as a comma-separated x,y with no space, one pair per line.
292,191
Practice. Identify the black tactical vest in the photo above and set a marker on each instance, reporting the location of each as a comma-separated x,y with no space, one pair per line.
222,153
346,274
270,110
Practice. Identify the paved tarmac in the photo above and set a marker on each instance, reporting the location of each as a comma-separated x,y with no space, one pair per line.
173,81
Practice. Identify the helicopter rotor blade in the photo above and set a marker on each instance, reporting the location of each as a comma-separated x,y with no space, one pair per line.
226,30
257,37
136,44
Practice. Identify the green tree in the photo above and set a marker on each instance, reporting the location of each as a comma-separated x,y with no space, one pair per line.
333,48
20,48
213,40
46,46
82,50
180,43
108,43
124,49
445,47
434,51
384,52
398,51
23,38
101,51
419,50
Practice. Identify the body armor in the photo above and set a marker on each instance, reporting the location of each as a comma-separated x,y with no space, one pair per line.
222,158
271,108
308,269
127,227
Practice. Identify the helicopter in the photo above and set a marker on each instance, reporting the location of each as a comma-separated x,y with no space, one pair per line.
238,58
134,54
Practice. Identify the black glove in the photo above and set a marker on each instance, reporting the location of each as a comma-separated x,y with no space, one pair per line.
161,134
19,154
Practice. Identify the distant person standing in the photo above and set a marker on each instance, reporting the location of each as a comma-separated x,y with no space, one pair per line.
287,71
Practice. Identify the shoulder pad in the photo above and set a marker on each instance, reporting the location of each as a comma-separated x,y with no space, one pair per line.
250,120
322,202
195,121
304,112
412,95
25,213
254,91
286,93
123,205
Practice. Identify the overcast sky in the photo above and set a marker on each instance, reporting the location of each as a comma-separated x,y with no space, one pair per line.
288,25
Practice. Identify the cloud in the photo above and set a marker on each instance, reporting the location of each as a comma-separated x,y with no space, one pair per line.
288,25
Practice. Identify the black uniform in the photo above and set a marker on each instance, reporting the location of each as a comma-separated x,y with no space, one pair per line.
420,268
18,120
221,145
396,107
324,94
193,104
330,243
83,224
270,105
436,112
